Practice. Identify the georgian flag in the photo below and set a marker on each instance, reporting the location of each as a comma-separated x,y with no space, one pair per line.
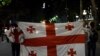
59,39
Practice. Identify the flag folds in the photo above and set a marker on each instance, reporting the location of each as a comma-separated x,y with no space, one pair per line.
58,39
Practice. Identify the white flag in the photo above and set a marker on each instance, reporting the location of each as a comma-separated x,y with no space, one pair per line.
59,39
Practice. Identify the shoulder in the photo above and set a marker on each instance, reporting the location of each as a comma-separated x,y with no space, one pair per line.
95,31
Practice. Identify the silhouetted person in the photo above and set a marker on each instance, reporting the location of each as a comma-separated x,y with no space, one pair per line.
15,35
92,39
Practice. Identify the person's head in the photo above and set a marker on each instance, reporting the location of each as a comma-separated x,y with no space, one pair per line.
15,25
92,24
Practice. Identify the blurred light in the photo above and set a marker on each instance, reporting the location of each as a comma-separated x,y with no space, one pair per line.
37,32
66,8
90,13
96,8
5,30
77,16
99,23
54,18
10,21
56,28
84,12
43,21
44,5
3,3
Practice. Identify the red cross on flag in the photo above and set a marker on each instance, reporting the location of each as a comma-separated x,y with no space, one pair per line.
31,29
69,26
32,53
71,52
53,39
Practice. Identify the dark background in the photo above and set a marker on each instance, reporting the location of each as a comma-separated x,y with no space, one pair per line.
28,10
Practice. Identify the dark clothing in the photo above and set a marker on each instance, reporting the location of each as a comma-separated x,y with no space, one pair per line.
15,49
91,49
94,36
16,35
16,43
92,43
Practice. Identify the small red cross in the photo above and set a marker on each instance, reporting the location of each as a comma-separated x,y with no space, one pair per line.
69,27
71,53
31,29
51,40
32,53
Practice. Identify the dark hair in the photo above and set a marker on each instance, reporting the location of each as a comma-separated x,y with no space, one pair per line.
15,25
92,24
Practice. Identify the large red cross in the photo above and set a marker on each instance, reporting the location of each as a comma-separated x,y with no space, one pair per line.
71,53
32,53
31,29
69,27
51,40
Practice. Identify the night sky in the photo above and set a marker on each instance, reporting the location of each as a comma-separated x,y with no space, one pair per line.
53,7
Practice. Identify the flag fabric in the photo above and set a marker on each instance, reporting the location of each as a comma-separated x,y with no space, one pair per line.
8,31
11,37
58,39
